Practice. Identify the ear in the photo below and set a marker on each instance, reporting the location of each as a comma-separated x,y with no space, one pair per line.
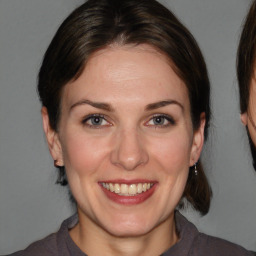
244,118
52,138
198,141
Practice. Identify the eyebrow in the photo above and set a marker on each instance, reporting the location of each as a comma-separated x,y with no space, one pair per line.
163,103
99,105
107,107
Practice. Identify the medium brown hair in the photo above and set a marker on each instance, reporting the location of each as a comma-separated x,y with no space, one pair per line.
99,23
246,57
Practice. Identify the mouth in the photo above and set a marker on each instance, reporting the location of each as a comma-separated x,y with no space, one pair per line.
123,189
128,193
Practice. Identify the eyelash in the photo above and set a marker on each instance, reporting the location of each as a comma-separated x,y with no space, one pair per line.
99,116
169,119
103,118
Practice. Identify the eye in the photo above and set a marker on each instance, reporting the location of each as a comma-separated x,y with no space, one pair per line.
96,121
161,121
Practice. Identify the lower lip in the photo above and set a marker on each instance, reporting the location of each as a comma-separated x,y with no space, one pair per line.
129,200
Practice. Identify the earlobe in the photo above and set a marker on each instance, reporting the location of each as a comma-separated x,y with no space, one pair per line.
198,141
244,118
52,138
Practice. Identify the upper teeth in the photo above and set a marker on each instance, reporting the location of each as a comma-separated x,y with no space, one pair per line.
125,189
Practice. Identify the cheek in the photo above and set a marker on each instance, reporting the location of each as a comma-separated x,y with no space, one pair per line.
251,122
83,154
252,132
172,157
173,152
252,101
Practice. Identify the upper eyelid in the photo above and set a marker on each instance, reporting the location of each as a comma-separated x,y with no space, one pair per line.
162,115
94,115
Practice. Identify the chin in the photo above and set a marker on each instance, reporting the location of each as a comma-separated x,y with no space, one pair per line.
129,227
128,231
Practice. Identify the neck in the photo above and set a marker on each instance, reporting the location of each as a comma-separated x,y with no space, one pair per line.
93,240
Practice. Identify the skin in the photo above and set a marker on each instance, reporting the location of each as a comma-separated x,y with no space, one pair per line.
249,118
129,145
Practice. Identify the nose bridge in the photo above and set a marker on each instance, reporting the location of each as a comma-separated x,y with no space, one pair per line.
129,151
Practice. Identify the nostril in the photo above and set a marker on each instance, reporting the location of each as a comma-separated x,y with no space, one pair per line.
128,164
129,160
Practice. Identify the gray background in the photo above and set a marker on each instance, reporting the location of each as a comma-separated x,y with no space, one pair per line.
32,206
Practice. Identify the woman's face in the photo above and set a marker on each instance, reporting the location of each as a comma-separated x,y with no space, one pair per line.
126,139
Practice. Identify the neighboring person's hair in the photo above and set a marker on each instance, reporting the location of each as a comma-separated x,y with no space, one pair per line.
246,56
100,23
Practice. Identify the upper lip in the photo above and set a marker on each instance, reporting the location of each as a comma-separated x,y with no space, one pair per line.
128,182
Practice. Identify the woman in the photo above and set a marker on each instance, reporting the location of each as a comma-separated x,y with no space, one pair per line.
246,77
125,96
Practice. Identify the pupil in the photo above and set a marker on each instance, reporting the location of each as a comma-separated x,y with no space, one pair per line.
158,120
96,120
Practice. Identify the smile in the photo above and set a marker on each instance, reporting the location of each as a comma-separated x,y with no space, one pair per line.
128,192
123,189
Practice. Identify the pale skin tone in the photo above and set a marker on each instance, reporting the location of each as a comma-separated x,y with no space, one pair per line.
249,118
127,117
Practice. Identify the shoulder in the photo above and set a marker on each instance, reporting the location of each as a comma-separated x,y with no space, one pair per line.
44,247
211,246
198,244
59,243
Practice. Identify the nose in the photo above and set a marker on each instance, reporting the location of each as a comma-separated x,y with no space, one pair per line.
129,151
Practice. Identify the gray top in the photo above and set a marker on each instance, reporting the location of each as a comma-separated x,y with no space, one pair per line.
191,243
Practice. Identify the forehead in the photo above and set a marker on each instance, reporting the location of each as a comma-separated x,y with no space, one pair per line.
127,71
